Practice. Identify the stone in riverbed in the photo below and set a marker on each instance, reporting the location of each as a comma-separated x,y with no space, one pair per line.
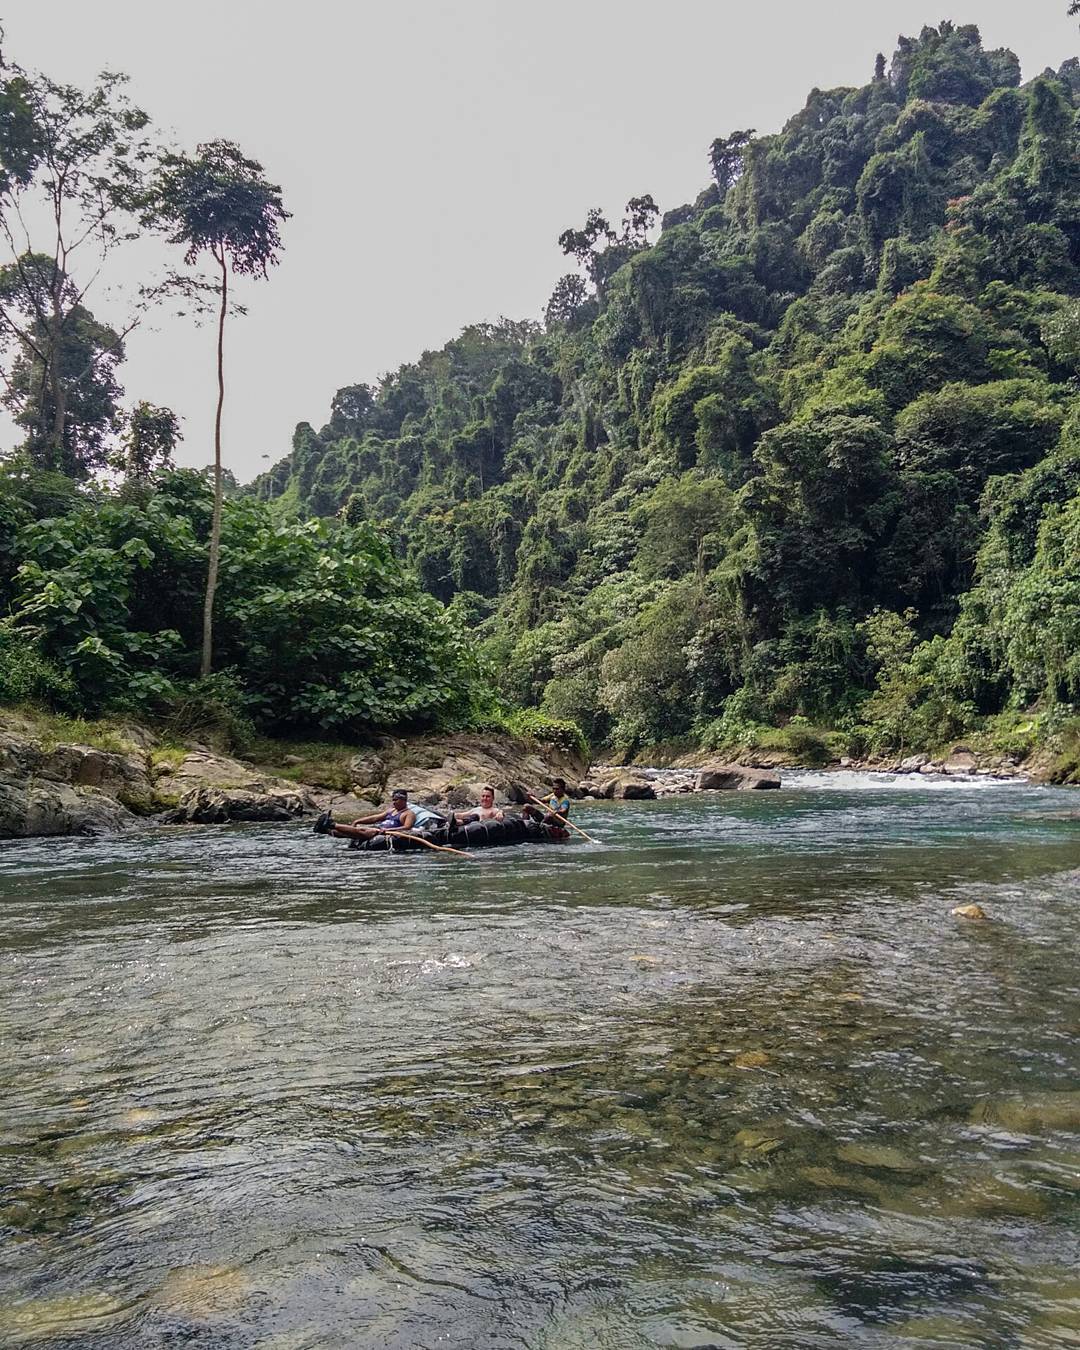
59,1316
203,1292
760,1143
734,778
975,912
50,809
752,1059
877,1155
1033,1114
628,787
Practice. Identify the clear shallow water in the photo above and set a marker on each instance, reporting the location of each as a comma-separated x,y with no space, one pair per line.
732,1077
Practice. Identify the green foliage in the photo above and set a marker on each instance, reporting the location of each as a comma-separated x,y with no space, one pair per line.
889,712
810,458
218,201
836,389
542,729
109,593
740,724
26,676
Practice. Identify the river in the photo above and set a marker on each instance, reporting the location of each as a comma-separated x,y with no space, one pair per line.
732,1076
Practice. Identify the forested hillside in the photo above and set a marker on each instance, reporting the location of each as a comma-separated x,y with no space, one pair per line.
813,454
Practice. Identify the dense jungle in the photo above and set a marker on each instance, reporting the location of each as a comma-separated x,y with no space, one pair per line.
797,463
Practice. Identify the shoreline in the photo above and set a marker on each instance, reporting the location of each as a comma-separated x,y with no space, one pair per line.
59,778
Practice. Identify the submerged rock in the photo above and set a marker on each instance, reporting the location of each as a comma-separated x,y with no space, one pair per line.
969,912
827,1178
202,1292
752,1059
760,1143
59,1316
994,1195
877,1155
1031,1114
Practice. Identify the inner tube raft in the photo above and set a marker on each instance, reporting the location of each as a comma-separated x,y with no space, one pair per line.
479,834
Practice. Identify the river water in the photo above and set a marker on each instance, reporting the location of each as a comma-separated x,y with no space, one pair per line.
732,1076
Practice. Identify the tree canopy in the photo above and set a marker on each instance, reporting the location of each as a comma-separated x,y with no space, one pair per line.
806,404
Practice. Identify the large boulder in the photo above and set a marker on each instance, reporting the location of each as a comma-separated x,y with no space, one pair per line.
734,778
125,777
219,806
41,808
67,789
368,775
961,759
628,787
203,769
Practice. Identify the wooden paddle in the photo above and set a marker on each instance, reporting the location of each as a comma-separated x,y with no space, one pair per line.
439,848
563,819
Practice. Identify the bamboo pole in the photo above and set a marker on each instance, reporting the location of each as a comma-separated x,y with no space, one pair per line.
563,819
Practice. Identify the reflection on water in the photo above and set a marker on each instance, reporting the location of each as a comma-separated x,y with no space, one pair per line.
732,1077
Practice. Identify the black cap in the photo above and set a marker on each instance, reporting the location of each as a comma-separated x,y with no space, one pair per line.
398,792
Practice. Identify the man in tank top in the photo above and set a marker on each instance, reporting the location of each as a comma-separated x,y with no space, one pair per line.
487,810
400,816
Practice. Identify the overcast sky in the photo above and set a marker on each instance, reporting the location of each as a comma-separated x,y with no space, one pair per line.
432,152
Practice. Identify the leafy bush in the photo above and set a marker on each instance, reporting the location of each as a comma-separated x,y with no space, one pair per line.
28,677
316,622
532,725
739,724
807,746
211,708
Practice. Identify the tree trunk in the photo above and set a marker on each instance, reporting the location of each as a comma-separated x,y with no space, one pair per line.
59,393
215,524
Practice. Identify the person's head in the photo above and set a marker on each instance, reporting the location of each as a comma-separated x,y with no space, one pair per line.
399,799
487,796
559,784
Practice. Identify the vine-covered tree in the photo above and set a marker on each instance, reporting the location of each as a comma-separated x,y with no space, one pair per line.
149,439
726,156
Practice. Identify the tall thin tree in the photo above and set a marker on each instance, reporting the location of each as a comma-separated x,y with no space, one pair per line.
219,202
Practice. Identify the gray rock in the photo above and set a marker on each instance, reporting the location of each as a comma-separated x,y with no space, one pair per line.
125,777
218,806
735,778
368,774
43,808
628,787
961,760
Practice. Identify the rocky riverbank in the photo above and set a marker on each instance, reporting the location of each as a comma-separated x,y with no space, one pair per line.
108,779
51,786
613,783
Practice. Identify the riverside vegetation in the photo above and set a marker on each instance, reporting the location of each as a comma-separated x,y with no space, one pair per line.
803,472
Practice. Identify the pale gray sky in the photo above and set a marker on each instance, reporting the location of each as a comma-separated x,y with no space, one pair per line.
431,152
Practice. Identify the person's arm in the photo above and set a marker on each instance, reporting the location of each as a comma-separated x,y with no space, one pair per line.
373,819
408,820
